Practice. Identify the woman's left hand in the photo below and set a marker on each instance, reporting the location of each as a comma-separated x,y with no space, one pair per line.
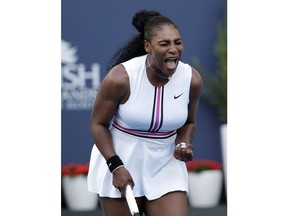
183,152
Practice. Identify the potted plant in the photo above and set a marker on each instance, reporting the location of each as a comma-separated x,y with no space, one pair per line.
73,169
215,85
200,165
75,189
205,182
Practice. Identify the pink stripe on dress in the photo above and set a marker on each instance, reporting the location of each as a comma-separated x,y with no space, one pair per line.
158,108
146,134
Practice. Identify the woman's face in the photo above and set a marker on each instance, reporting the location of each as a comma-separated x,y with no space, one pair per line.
165,50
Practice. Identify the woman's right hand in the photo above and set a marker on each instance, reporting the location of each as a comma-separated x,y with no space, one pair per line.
121,177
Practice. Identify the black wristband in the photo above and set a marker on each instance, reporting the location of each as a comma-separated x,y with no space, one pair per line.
114,162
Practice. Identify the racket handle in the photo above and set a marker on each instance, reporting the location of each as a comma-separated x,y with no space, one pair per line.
131,201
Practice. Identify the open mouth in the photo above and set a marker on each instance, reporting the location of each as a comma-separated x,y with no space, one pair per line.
171,62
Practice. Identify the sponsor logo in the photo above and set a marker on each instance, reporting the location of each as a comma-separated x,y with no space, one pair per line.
175,97
79,83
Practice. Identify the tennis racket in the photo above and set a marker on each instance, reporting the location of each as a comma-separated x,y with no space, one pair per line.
131,201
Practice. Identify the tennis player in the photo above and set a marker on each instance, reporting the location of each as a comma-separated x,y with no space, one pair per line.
143,122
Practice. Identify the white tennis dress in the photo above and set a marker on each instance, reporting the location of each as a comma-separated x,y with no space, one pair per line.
144,132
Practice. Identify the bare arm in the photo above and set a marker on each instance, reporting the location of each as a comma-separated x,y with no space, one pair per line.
114,90
186,132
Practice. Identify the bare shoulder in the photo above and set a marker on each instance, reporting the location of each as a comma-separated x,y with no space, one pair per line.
115,85
117,76
196,78
196,84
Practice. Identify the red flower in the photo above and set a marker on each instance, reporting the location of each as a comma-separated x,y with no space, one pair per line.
73,169
199,165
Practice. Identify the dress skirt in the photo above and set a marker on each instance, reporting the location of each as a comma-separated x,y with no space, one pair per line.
150,162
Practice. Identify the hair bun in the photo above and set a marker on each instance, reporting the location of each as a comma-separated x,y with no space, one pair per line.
141,18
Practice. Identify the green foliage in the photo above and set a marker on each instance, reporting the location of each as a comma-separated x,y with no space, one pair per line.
215,85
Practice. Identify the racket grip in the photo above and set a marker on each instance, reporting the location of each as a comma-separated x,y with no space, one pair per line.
131,201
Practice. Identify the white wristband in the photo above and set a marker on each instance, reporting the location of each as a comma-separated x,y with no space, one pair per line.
117,168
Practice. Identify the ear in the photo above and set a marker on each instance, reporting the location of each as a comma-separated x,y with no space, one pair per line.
147,46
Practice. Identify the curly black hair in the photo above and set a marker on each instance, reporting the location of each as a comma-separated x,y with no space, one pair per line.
146,22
